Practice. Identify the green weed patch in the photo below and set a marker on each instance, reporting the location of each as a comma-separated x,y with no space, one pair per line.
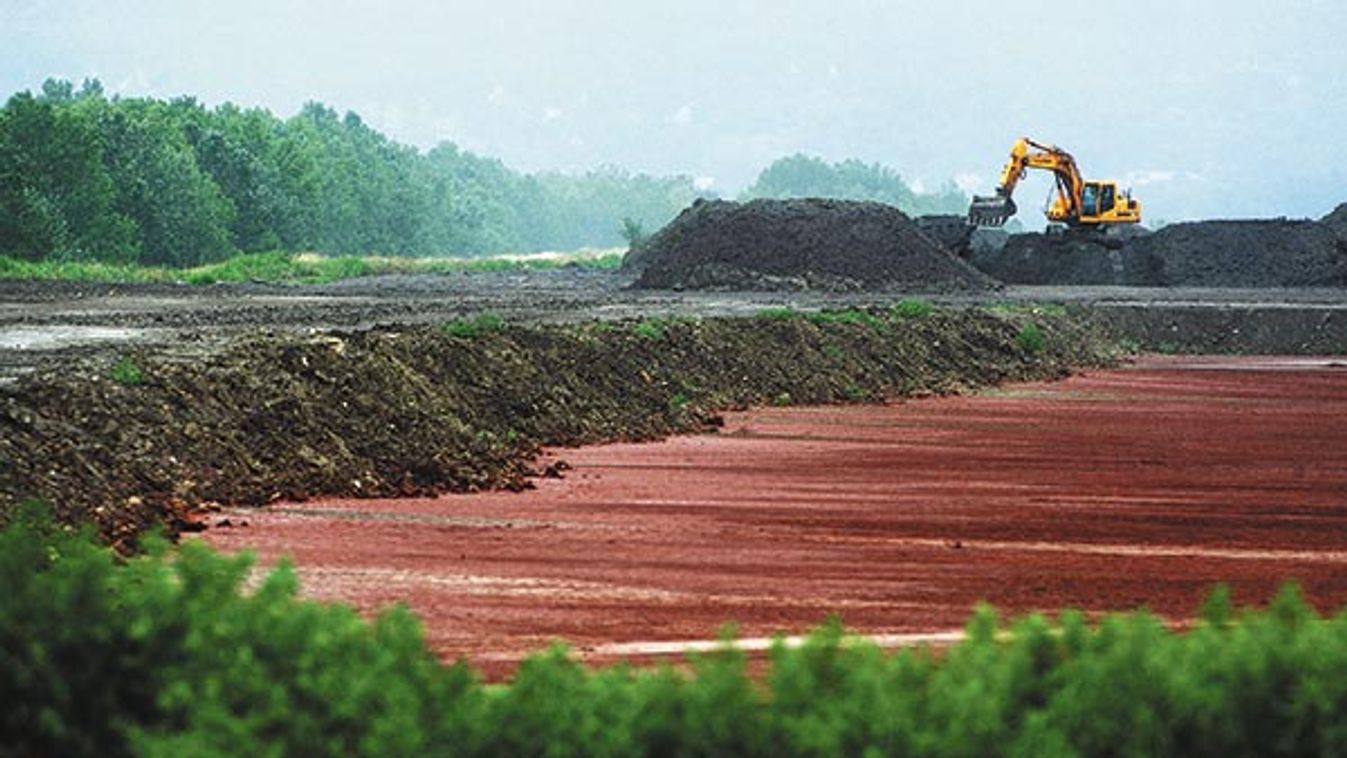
475,326
125,371
281,267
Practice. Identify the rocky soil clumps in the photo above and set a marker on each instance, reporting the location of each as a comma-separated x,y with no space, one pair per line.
426,410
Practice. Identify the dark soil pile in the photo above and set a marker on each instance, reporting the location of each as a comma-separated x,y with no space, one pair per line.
950,231
1071,258
1337,221
423,411
1240,253
1245,253
798,244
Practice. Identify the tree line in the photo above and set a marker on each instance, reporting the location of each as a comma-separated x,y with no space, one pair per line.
807,176
84,176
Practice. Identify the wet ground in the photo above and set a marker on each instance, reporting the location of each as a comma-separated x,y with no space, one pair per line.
1141,486
44,323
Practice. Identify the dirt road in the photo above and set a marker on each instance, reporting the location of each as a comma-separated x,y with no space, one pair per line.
1136,487
46,323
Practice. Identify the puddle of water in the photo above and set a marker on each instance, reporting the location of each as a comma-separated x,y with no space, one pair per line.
57,337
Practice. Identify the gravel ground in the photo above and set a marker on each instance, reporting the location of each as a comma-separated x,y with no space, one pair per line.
44,323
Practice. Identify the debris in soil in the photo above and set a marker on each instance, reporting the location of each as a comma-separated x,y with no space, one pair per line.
1238,253
421,411
802,244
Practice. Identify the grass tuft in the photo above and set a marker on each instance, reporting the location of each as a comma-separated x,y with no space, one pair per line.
475,326
125,371
912,308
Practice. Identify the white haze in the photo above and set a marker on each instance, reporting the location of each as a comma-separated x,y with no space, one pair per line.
1208,108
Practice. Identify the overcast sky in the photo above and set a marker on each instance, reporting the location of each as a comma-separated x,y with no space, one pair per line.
1208,108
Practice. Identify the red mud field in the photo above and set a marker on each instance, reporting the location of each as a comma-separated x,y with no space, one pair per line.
1141,486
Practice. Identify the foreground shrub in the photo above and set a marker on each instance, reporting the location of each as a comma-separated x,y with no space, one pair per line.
181,653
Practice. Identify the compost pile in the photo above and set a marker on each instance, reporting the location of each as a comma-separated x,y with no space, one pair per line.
835,245
1235,253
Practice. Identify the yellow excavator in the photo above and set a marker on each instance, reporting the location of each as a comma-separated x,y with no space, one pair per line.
1077,203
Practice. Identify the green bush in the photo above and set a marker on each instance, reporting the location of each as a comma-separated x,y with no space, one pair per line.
126,371
912,308
649,329
1030,338
778,314
169,654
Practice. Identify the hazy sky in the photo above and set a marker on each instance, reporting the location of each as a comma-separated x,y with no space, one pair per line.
1207,107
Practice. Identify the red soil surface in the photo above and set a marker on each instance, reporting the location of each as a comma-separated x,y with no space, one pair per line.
1142,486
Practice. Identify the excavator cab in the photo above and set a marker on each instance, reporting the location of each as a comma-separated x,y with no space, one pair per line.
1102,203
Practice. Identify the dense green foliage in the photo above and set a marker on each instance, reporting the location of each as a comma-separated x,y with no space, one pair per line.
87,178
806,176
167,654
171,183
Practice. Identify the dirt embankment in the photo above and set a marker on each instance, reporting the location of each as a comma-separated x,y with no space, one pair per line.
1237,253
1337,221
796,245
1248,329
1070,259
417,411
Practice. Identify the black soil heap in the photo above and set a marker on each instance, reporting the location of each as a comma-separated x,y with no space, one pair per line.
798,244
1337,221
1071,258
1264,253
1237,253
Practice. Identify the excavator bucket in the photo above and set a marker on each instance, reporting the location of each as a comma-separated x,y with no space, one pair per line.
993,210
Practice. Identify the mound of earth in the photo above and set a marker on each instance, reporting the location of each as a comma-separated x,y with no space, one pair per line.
1337,221
1071,258
1236,253
424,410
1244,253
952,232
798,244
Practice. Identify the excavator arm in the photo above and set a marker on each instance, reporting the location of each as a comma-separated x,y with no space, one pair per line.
996,209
